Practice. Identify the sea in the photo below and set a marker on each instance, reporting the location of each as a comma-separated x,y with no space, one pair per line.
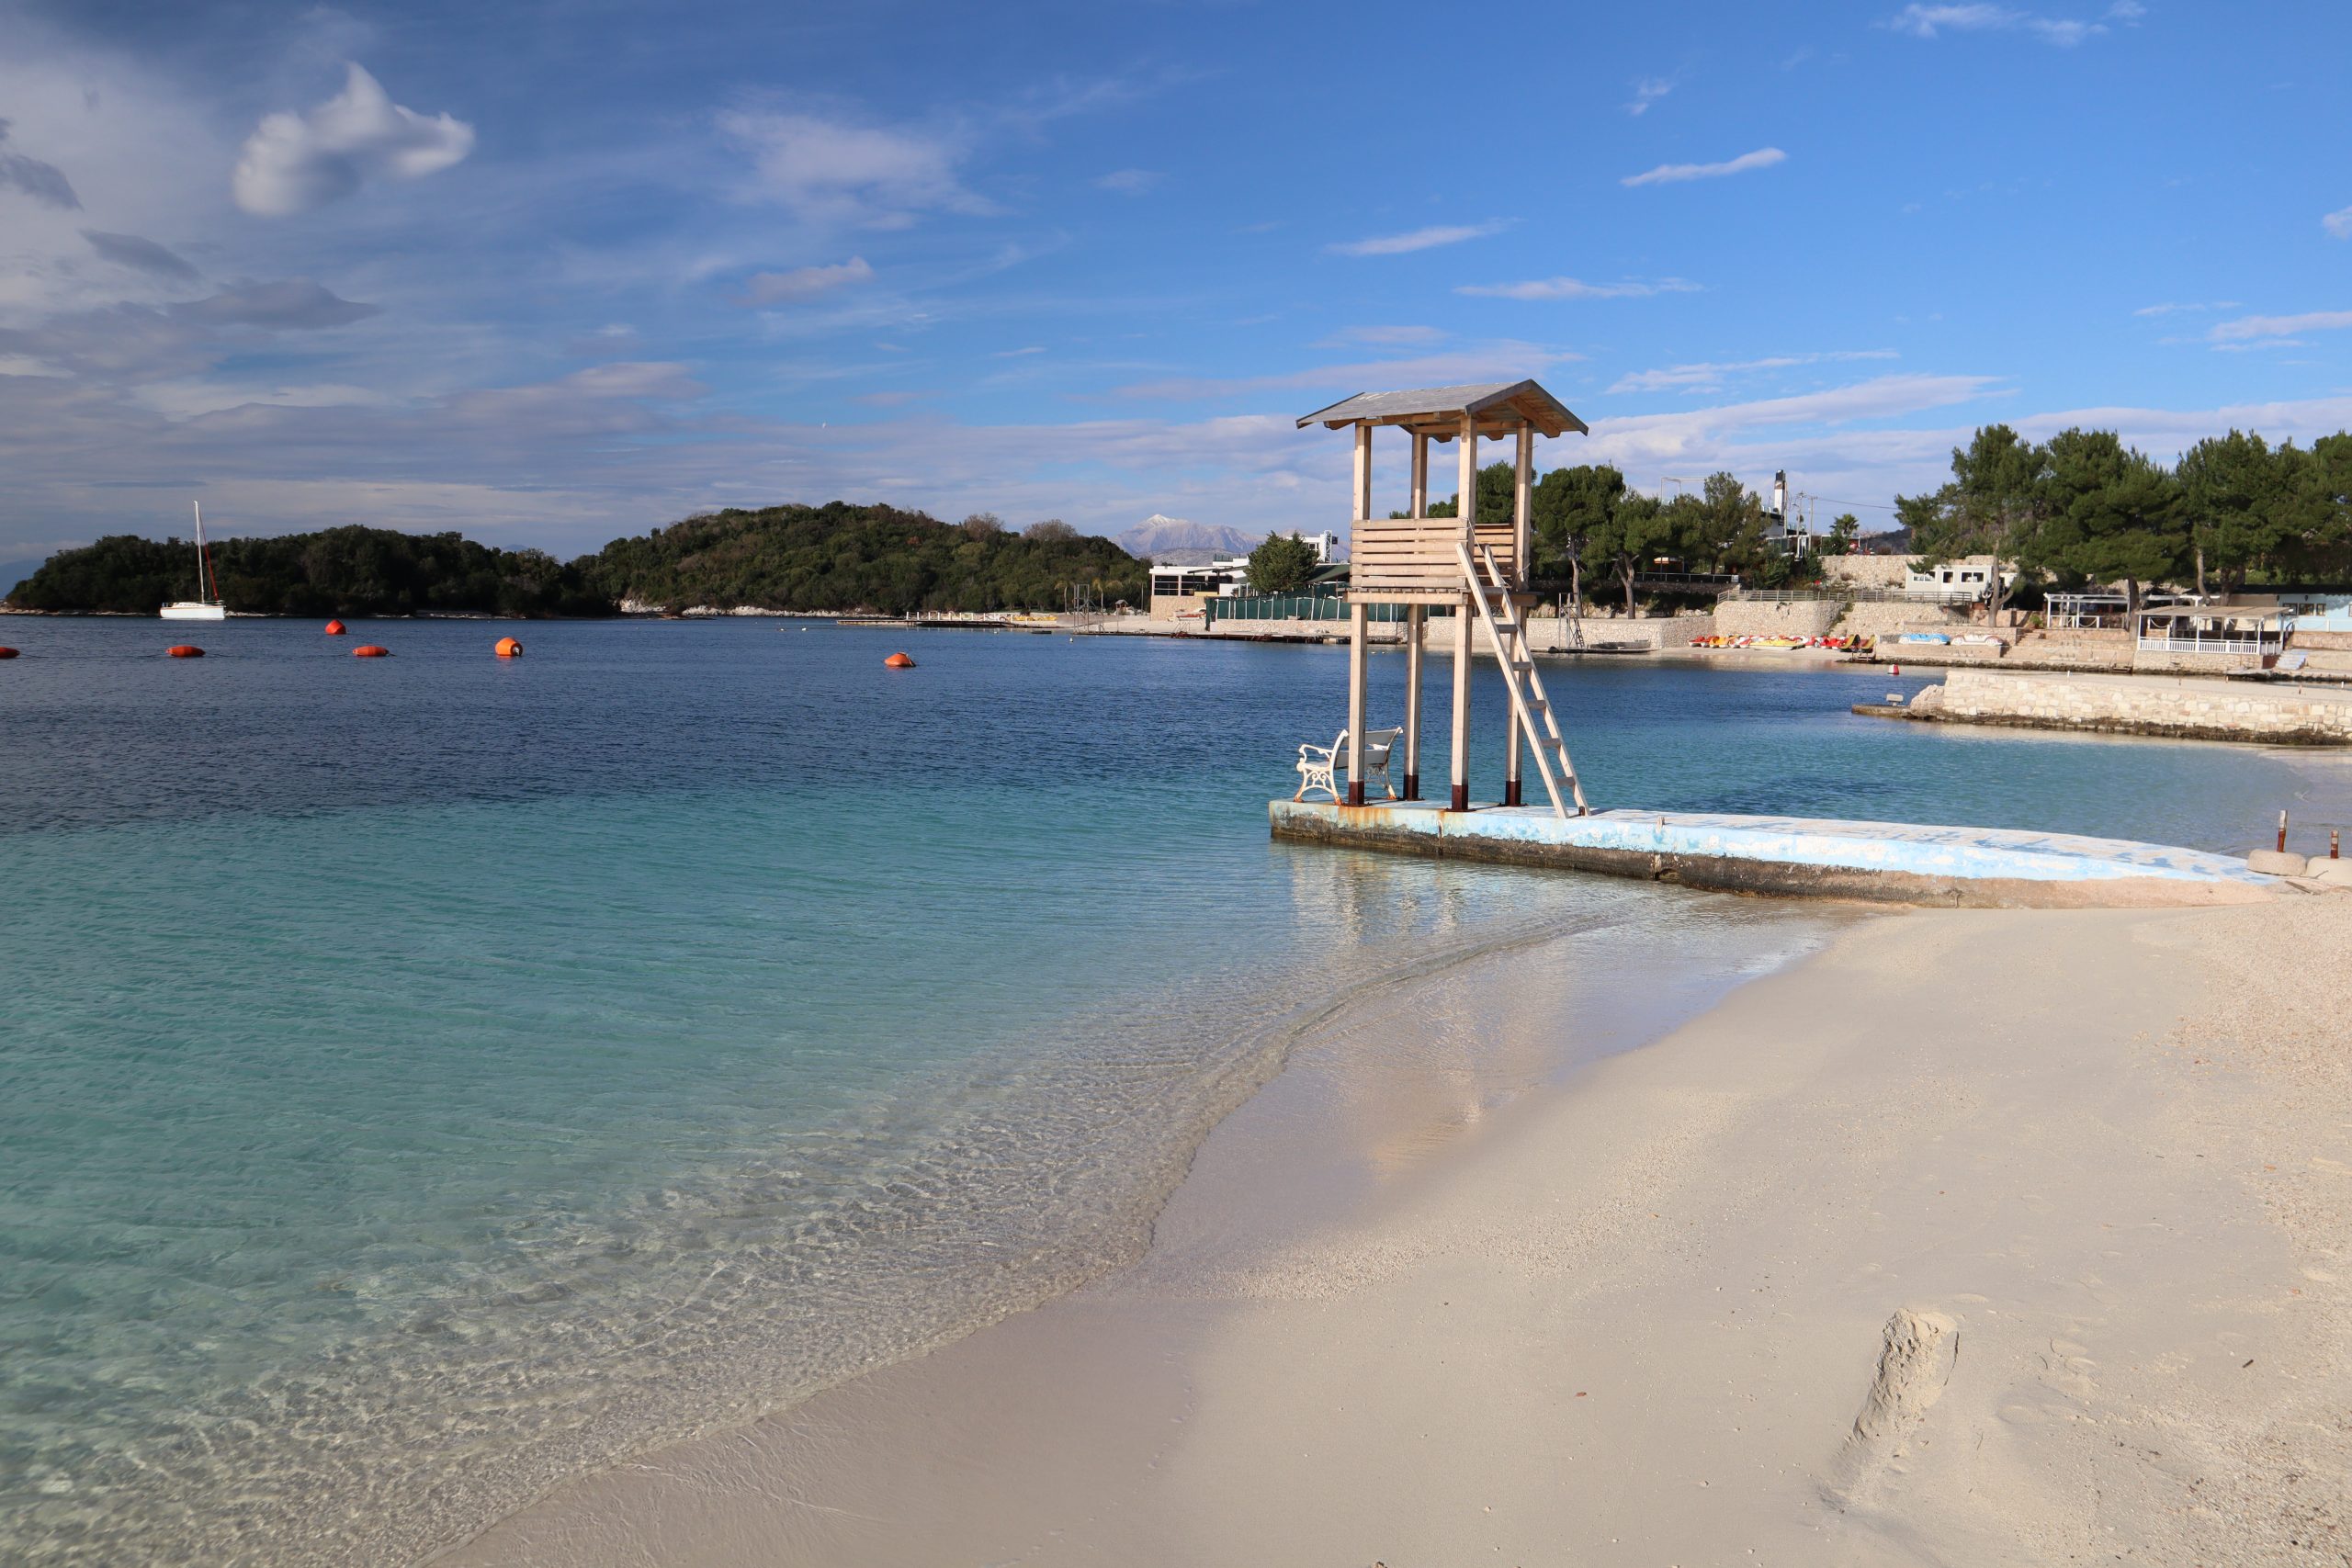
427,1079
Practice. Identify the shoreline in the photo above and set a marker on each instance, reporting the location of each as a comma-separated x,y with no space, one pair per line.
1618,1319
1359,1110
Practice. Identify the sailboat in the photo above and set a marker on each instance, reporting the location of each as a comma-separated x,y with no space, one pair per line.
200,609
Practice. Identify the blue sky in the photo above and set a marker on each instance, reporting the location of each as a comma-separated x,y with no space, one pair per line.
551,273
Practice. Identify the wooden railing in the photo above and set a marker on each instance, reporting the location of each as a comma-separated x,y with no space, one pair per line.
1407,558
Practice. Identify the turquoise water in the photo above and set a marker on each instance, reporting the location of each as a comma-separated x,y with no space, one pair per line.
426,1077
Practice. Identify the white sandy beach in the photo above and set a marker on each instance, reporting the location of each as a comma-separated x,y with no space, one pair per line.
2092,1167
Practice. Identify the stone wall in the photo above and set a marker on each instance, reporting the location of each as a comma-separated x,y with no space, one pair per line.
1866,571
2188,707
1171,606
2157,661
1880,617
1555,633
1775,617
1939,654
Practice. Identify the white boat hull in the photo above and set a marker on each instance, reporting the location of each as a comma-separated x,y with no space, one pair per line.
192,610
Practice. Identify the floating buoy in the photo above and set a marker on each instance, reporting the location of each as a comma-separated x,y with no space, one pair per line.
507,647
184,650
1898,670
334,628
899,661
370,651
7,653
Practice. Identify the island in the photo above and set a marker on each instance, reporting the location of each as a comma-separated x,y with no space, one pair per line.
793,559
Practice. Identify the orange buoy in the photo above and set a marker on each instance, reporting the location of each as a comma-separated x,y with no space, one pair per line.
370,651
508,648
7,653
184,650
334,628
899,661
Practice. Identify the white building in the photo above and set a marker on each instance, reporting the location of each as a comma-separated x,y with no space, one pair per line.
1227,574
1954,582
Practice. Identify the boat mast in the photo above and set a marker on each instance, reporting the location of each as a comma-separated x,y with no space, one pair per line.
200,551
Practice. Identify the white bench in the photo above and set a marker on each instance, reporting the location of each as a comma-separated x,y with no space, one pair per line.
1319,765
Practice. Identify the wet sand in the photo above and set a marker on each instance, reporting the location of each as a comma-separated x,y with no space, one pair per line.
1980,1237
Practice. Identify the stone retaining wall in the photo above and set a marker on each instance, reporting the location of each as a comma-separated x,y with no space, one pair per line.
1866,571
2189,708
1775,617
1881,617
1556,633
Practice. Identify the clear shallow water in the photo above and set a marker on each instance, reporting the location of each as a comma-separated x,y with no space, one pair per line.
420,1079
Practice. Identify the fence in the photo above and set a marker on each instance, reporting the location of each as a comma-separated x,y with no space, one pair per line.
1863,595
1291,607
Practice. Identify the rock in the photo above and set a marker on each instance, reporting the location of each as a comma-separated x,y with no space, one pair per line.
2277,863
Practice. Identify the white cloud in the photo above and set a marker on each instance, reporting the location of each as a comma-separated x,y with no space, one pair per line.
2338,223
1575,288
1647,91
1933,22
1128,182
828,171
2165,432
186,400
805,282
1665,435
293,162
2170,308
2247,329
1418,239
1669,174
1708,377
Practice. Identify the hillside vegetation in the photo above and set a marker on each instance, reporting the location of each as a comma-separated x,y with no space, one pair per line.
837,557
343,571
840,556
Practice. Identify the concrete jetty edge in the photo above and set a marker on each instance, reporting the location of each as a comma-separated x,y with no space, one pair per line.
1784,856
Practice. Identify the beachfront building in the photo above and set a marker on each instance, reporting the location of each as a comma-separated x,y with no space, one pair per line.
1474,566
1180,591
2259,631
1965,581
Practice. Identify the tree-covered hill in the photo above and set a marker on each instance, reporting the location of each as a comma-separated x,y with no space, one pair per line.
837,557
840,556
346,571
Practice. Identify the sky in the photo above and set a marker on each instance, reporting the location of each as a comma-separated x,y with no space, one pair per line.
553,272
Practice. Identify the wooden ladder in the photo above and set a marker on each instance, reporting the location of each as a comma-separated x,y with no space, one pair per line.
1491,594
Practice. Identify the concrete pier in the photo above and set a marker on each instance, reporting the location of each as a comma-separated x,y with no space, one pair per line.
1885,861
2282,712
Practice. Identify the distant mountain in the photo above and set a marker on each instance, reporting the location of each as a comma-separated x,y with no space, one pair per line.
12,572
1179,543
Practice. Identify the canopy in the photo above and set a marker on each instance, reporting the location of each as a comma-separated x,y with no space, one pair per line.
1499,407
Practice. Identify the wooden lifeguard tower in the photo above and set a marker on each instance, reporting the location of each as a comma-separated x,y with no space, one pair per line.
1479,566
